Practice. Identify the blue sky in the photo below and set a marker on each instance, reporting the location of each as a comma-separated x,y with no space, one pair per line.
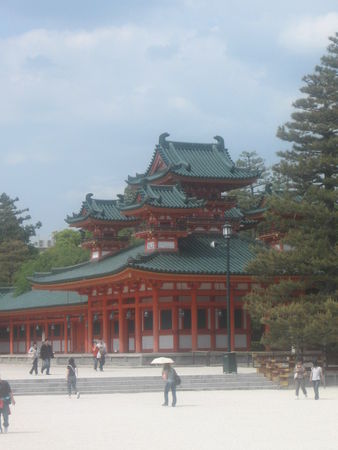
87,87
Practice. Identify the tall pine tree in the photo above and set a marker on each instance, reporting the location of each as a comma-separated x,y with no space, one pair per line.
302,310
14,238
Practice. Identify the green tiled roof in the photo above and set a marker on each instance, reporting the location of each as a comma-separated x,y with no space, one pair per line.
98,209
39,299
194,160
163,197
234,214
195,256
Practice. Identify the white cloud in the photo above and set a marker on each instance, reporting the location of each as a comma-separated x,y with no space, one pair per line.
16,158
111,74
309,33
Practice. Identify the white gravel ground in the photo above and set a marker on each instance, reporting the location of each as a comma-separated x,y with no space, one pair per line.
241,420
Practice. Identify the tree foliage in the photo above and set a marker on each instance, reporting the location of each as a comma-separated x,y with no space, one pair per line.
15,234
249,196
65,252
301,310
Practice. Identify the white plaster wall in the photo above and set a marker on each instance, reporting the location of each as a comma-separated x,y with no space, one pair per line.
131,344
22,347
166,342
4,347
147,342
56,346
240,341
185,341
203,341
221,341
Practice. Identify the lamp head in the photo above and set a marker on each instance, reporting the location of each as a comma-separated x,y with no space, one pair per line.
227,230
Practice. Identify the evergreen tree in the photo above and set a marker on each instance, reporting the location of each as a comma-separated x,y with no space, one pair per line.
250,196
301,310
14,238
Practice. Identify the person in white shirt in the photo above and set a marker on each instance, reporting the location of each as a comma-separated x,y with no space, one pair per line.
316,376
33,352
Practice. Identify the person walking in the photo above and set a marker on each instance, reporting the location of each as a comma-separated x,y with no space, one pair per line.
33,352
71,378
169,376
6,398
95,350
102,354
316,376
300,374
43,356
46,354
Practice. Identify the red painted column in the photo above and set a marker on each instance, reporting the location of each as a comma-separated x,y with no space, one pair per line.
232,319
28,343
155,320
105,322
212,327
138,334
122,346
65,332
11,343
86,346
248,331
194,319
90,327
175,326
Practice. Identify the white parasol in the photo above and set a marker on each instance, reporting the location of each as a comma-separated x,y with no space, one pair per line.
162,360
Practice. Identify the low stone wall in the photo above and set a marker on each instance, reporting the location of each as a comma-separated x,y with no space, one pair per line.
201,358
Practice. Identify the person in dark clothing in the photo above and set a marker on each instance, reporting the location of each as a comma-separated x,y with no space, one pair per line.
46,354
6,398
71,378
168,375
102,353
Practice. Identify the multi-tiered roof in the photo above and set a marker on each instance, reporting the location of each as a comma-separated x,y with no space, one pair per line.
179,194
176,207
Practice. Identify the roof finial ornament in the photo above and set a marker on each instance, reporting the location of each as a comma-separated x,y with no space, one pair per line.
89,198
220,142
161,139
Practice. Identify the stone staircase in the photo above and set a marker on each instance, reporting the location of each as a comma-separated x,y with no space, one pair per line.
112,385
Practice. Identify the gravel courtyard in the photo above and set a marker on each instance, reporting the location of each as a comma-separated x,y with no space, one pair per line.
259,420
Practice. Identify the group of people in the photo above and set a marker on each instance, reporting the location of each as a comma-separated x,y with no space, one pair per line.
99,351
300,375
45,352
169,376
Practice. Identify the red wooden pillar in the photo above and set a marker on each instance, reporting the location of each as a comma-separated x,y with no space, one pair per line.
105,322
232,319
138,334
28,343
155,320
122,345
212,328
65,332
86,346
90,327
248,331
11,339
175,326
194,319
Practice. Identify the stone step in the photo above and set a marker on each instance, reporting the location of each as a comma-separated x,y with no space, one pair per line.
139,384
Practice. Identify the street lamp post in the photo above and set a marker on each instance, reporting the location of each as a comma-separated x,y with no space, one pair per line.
226,235
229,362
